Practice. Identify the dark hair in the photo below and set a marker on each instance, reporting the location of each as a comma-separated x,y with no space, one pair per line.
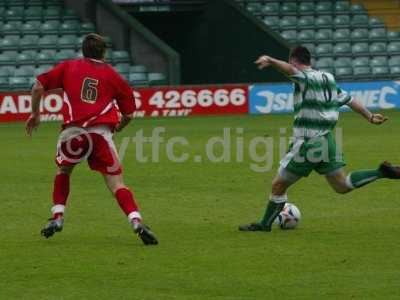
301,54
94,46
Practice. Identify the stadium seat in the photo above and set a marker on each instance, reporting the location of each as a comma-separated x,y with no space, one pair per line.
65,54
343,62
306,8
137,69
29,41
68,42
122,68
25,71
344,72
362,71
86,28
375,22
271,8
360,21
394,61
357,9
4,83
5,72
271,21
137,78
341,35
381,71
121,57
324,50
359,34
326,62
254,8
306,36
18,83
41,69
288,23
50,27
12,27
360,48
69,27
324,21
395,70
377,48
52,13
27,57
9,42
392,35
31,27
342,7
306,22
324,35
342,21
379,61
342,49
393,48
46,56
33,13
14,14
378,34
156,78
324,7
361,62
289,35
8,58
48,42
289,8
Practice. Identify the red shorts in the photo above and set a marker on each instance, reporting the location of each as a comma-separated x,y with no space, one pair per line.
94,144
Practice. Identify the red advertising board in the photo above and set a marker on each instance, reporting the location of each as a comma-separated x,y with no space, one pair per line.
150,102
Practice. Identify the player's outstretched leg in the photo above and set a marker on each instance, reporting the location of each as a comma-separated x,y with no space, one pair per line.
276,201
60,196
127,203
357,179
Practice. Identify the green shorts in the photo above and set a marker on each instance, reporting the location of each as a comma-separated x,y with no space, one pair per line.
308,154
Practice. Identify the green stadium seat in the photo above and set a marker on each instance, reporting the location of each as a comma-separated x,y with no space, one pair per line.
2,10
121,57
27,57
360,21
288,23
342,34
29,41
289,8
33,13
393,48
5,72
271,21
343,62
361,62
31,27
64,55
306,35
8,58
395,70
342,7
137,69
24,71
379,61
69,14
11,27
378,34
48,42
394,61
306,22
324,22
362,71
46,56
344,72
377,48
324,35
324,7
14,14
10,68
392,35
52,13
4,83
41,69
342,21
18,83
156,78
254,8
359,34
326,62
67,42
137,78
50,27
271,8
306,8
381,71
70,27
324,50
357,9
375,22
10,42
289,35
122,68
360,48
86,28
342,49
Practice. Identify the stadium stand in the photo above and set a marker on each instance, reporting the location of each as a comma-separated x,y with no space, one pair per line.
36,34
343,38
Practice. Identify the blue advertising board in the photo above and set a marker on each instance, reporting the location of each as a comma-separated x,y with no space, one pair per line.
278,98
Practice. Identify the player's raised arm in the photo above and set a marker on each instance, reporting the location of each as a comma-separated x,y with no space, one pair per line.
376,119
265,61
34,119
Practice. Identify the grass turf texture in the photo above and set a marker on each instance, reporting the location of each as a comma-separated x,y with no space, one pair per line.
346,246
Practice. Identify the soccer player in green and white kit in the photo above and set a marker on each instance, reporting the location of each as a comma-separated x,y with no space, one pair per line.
317,100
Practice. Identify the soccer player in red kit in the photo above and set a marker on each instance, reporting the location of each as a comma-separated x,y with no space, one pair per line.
93,95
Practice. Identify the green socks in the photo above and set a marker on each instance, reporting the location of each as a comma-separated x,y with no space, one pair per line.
274,207
358,179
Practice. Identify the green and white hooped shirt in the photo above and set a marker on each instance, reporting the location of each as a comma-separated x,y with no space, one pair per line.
317,100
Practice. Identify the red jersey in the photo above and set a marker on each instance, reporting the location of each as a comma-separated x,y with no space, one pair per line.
92,92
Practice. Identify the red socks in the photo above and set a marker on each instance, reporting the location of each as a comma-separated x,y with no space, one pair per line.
60,194
127,203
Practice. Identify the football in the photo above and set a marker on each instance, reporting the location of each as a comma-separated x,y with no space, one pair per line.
289,217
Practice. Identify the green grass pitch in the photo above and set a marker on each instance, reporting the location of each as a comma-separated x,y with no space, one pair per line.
346,247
